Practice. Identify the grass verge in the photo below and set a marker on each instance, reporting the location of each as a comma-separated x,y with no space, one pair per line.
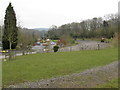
110,84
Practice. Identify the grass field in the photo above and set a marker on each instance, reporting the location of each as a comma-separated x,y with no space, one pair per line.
42,66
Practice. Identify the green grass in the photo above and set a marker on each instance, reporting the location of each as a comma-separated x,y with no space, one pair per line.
110,84
93,39
55,40
42,66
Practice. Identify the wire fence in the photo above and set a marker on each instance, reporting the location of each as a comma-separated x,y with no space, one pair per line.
79,47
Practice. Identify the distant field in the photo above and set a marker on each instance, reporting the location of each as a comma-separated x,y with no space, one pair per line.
42,66
54,40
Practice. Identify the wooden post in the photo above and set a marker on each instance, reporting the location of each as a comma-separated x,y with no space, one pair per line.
10,54
98,46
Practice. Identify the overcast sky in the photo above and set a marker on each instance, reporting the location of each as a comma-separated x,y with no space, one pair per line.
45,13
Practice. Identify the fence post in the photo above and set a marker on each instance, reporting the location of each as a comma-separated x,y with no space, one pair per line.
5,56
70,48
98,46
82,47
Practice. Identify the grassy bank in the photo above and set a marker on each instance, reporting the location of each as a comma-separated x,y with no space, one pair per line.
42,66
110,84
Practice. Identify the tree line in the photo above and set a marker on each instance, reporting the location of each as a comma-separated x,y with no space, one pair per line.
91,28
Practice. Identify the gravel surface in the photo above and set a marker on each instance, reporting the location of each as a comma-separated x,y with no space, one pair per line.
85,45
88,79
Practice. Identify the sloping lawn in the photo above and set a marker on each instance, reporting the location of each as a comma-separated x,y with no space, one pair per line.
110,84
42,66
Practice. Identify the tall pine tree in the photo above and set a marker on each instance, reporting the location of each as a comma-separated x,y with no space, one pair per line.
9,40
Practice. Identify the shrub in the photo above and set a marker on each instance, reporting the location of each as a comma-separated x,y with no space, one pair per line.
55,48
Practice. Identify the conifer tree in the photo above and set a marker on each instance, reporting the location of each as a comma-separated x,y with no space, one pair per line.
9,40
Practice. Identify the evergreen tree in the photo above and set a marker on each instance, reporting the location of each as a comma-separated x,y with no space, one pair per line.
9,40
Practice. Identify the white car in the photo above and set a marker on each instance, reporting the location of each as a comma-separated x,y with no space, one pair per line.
53,43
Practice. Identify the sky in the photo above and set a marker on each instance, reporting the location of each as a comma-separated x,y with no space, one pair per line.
45,13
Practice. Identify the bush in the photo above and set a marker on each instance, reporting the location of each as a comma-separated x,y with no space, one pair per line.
55,48
72,41
66,40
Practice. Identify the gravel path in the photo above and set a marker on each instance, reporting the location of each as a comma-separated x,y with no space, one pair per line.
87,79
85,45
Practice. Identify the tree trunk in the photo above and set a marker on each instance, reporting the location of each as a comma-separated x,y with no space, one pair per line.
10,55
23,52
10,45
